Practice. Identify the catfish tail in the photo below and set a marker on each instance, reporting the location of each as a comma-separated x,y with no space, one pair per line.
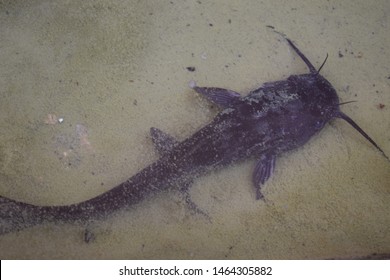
16,215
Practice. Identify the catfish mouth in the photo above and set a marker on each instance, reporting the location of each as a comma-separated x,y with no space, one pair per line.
337,113
343,116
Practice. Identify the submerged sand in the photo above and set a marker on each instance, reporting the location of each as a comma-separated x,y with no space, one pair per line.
113,69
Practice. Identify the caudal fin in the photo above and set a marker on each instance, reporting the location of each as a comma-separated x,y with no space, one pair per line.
15,215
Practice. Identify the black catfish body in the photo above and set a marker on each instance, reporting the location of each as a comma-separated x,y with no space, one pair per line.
277,117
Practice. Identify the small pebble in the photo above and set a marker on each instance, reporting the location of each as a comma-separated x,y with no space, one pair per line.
191,68
192,84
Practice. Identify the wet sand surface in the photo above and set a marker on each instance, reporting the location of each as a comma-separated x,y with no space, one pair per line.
81,84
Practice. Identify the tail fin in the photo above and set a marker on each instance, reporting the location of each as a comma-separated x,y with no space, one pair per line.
15,215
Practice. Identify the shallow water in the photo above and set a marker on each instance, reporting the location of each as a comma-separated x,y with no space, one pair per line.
113,69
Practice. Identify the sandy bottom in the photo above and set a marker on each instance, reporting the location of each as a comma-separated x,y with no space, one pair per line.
80,86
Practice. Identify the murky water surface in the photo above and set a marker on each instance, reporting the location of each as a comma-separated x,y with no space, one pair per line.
81,83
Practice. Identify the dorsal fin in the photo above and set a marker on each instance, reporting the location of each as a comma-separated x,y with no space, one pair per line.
222,97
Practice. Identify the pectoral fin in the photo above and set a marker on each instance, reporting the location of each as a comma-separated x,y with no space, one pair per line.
163,142
262,172
219,96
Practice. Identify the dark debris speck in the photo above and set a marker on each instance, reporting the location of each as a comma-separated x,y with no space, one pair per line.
89,236
381,106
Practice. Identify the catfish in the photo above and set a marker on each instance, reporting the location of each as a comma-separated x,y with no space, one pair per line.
275,118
